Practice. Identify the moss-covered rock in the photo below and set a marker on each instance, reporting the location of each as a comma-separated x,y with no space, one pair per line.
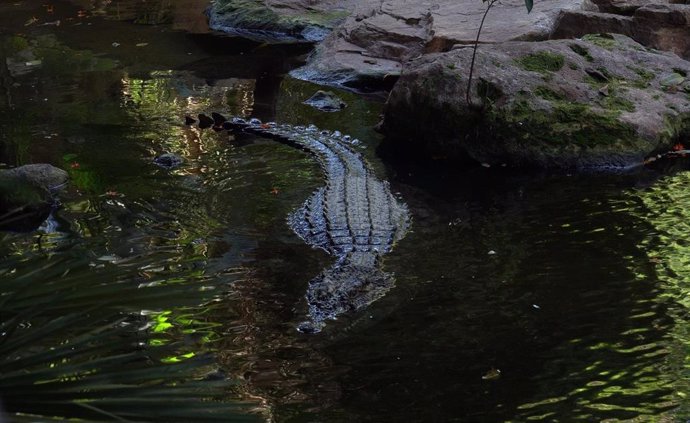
541,61
614,104
276,21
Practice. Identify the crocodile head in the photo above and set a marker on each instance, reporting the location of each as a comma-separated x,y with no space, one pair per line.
354,282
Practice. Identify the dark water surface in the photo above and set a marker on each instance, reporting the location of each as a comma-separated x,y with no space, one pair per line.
553,298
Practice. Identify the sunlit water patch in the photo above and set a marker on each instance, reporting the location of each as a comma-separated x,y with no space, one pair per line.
666,246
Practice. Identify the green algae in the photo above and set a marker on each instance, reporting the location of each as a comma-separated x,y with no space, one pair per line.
582,51
601,40
548,94
610,90
565,124
488,91
616,103
542,62
646,77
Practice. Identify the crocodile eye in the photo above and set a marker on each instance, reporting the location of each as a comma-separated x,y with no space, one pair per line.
308,327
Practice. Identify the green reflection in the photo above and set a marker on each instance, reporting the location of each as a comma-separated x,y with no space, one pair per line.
145,233
667,208
639,373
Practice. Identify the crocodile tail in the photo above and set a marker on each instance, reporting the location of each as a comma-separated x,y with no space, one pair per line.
353,282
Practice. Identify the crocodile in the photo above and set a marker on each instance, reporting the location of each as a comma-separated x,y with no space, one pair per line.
355,218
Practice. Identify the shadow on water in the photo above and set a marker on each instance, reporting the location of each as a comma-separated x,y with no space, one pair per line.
518,297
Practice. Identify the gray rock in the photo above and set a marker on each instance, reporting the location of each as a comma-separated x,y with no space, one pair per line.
660,26
576,23
376,39
326,101
339,63
541,106
664,27
620,7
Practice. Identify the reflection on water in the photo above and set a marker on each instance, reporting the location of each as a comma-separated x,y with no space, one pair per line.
666,209
185,15
549,298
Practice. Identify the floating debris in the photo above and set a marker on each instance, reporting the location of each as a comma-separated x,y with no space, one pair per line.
492,374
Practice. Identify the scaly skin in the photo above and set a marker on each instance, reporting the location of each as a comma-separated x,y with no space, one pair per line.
355,218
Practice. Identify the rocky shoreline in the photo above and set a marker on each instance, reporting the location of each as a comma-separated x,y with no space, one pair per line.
596,102
552,88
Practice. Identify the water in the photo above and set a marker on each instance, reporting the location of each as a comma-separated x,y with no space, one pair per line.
519,297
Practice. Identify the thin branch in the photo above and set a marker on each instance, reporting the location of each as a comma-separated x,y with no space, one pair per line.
474,54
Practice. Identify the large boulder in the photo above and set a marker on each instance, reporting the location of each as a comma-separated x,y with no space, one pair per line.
619,7
377,38
662,25
26,194
624,7
576,23
603,101
278,20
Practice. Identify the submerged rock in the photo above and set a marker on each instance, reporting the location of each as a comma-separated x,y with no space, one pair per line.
26,195
603,101
42,176
168,160
326,101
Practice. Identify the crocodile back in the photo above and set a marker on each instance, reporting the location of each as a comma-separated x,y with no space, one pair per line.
354,217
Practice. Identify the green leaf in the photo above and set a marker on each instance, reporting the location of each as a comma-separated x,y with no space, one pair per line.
528,5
